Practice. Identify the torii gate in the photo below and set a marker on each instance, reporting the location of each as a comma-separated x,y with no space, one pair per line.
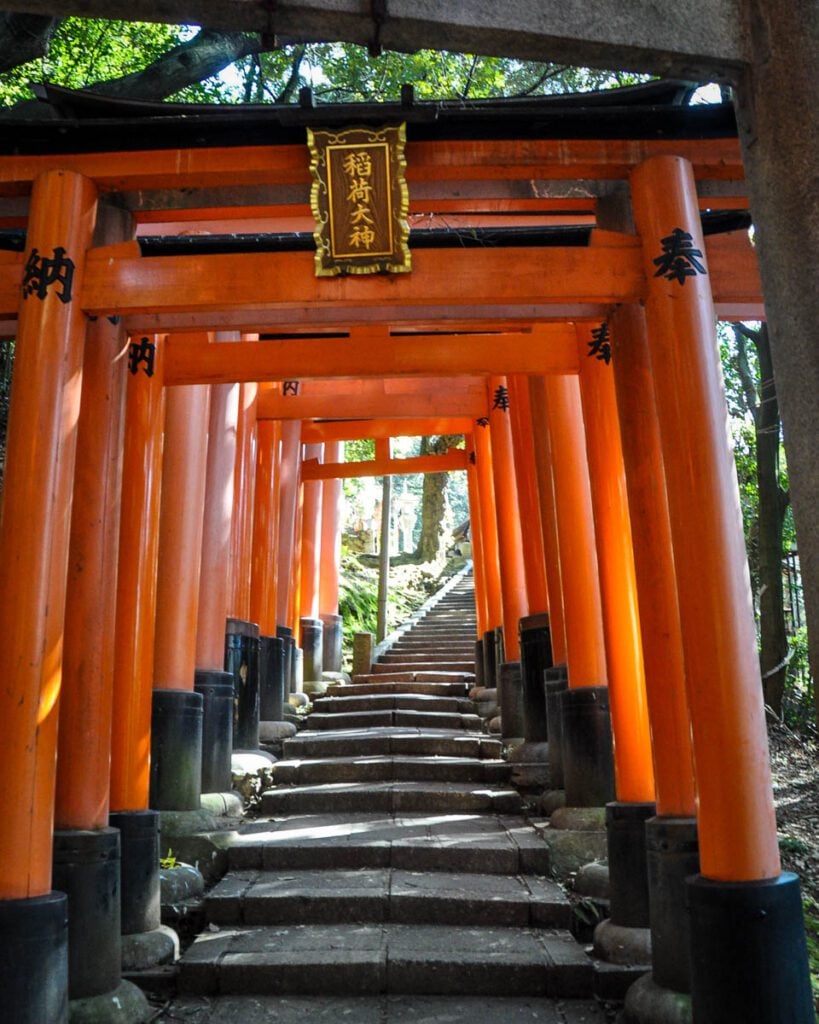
528,312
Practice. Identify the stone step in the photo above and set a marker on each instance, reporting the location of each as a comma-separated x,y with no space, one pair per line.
382,1009
436,676
397,667
425,647
377,958
393,701
385,769
391,798
398,718
423,657
482,843
384,686
391,740
387,894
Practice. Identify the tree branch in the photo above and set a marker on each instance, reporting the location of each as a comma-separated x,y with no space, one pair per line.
744,370
187,64
23,37
293,79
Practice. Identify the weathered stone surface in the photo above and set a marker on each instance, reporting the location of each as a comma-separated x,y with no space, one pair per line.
126,1004
417,1009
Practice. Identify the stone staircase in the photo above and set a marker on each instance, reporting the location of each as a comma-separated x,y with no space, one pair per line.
392,876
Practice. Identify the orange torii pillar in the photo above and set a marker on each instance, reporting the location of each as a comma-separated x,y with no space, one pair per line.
210,680
747,938
628,919
535,638
489,537
289,506
548,521
134,652
244,475
311,629
671,837
588,769
514,603
176,717
332,510
264,583
87,851
476,538
34,536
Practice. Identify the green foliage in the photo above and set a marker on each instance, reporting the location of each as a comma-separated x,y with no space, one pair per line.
169,861
798,705
811,911
86,50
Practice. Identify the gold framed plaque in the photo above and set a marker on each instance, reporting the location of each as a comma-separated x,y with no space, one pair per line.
359,200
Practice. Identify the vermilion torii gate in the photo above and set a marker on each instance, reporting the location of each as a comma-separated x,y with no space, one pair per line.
518,339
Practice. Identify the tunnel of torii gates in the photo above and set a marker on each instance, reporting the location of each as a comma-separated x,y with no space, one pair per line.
174,461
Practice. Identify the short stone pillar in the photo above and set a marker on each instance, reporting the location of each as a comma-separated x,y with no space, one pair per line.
332,660
362,653
242,662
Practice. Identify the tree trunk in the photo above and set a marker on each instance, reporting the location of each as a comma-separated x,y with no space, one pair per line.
772,505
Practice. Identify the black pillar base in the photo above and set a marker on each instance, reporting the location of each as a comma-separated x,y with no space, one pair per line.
749,961
490,675
272,683
312,645
672,855
628,872
555,682
479,670
86,868
332,659
510,699
176,750
535,658
286,634
34,959
588,759
140,909
216,689
242,661
296,669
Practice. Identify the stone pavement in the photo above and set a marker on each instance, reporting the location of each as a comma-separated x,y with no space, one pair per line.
392,876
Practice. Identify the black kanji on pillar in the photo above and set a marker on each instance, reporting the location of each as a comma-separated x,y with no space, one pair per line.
142,353
483,421
472,458
501,398
679,259
600,345
41,272
291,387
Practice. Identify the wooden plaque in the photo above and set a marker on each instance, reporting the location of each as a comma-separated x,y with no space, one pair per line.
359,200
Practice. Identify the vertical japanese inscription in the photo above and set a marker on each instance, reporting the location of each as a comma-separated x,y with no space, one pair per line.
359,200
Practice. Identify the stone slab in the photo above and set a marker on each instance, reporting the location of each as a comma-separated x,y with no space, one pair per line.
398,797
479,843
432,960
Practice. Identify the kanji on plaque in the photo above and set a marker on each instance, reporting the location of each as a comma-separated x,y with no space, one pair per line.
359,200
